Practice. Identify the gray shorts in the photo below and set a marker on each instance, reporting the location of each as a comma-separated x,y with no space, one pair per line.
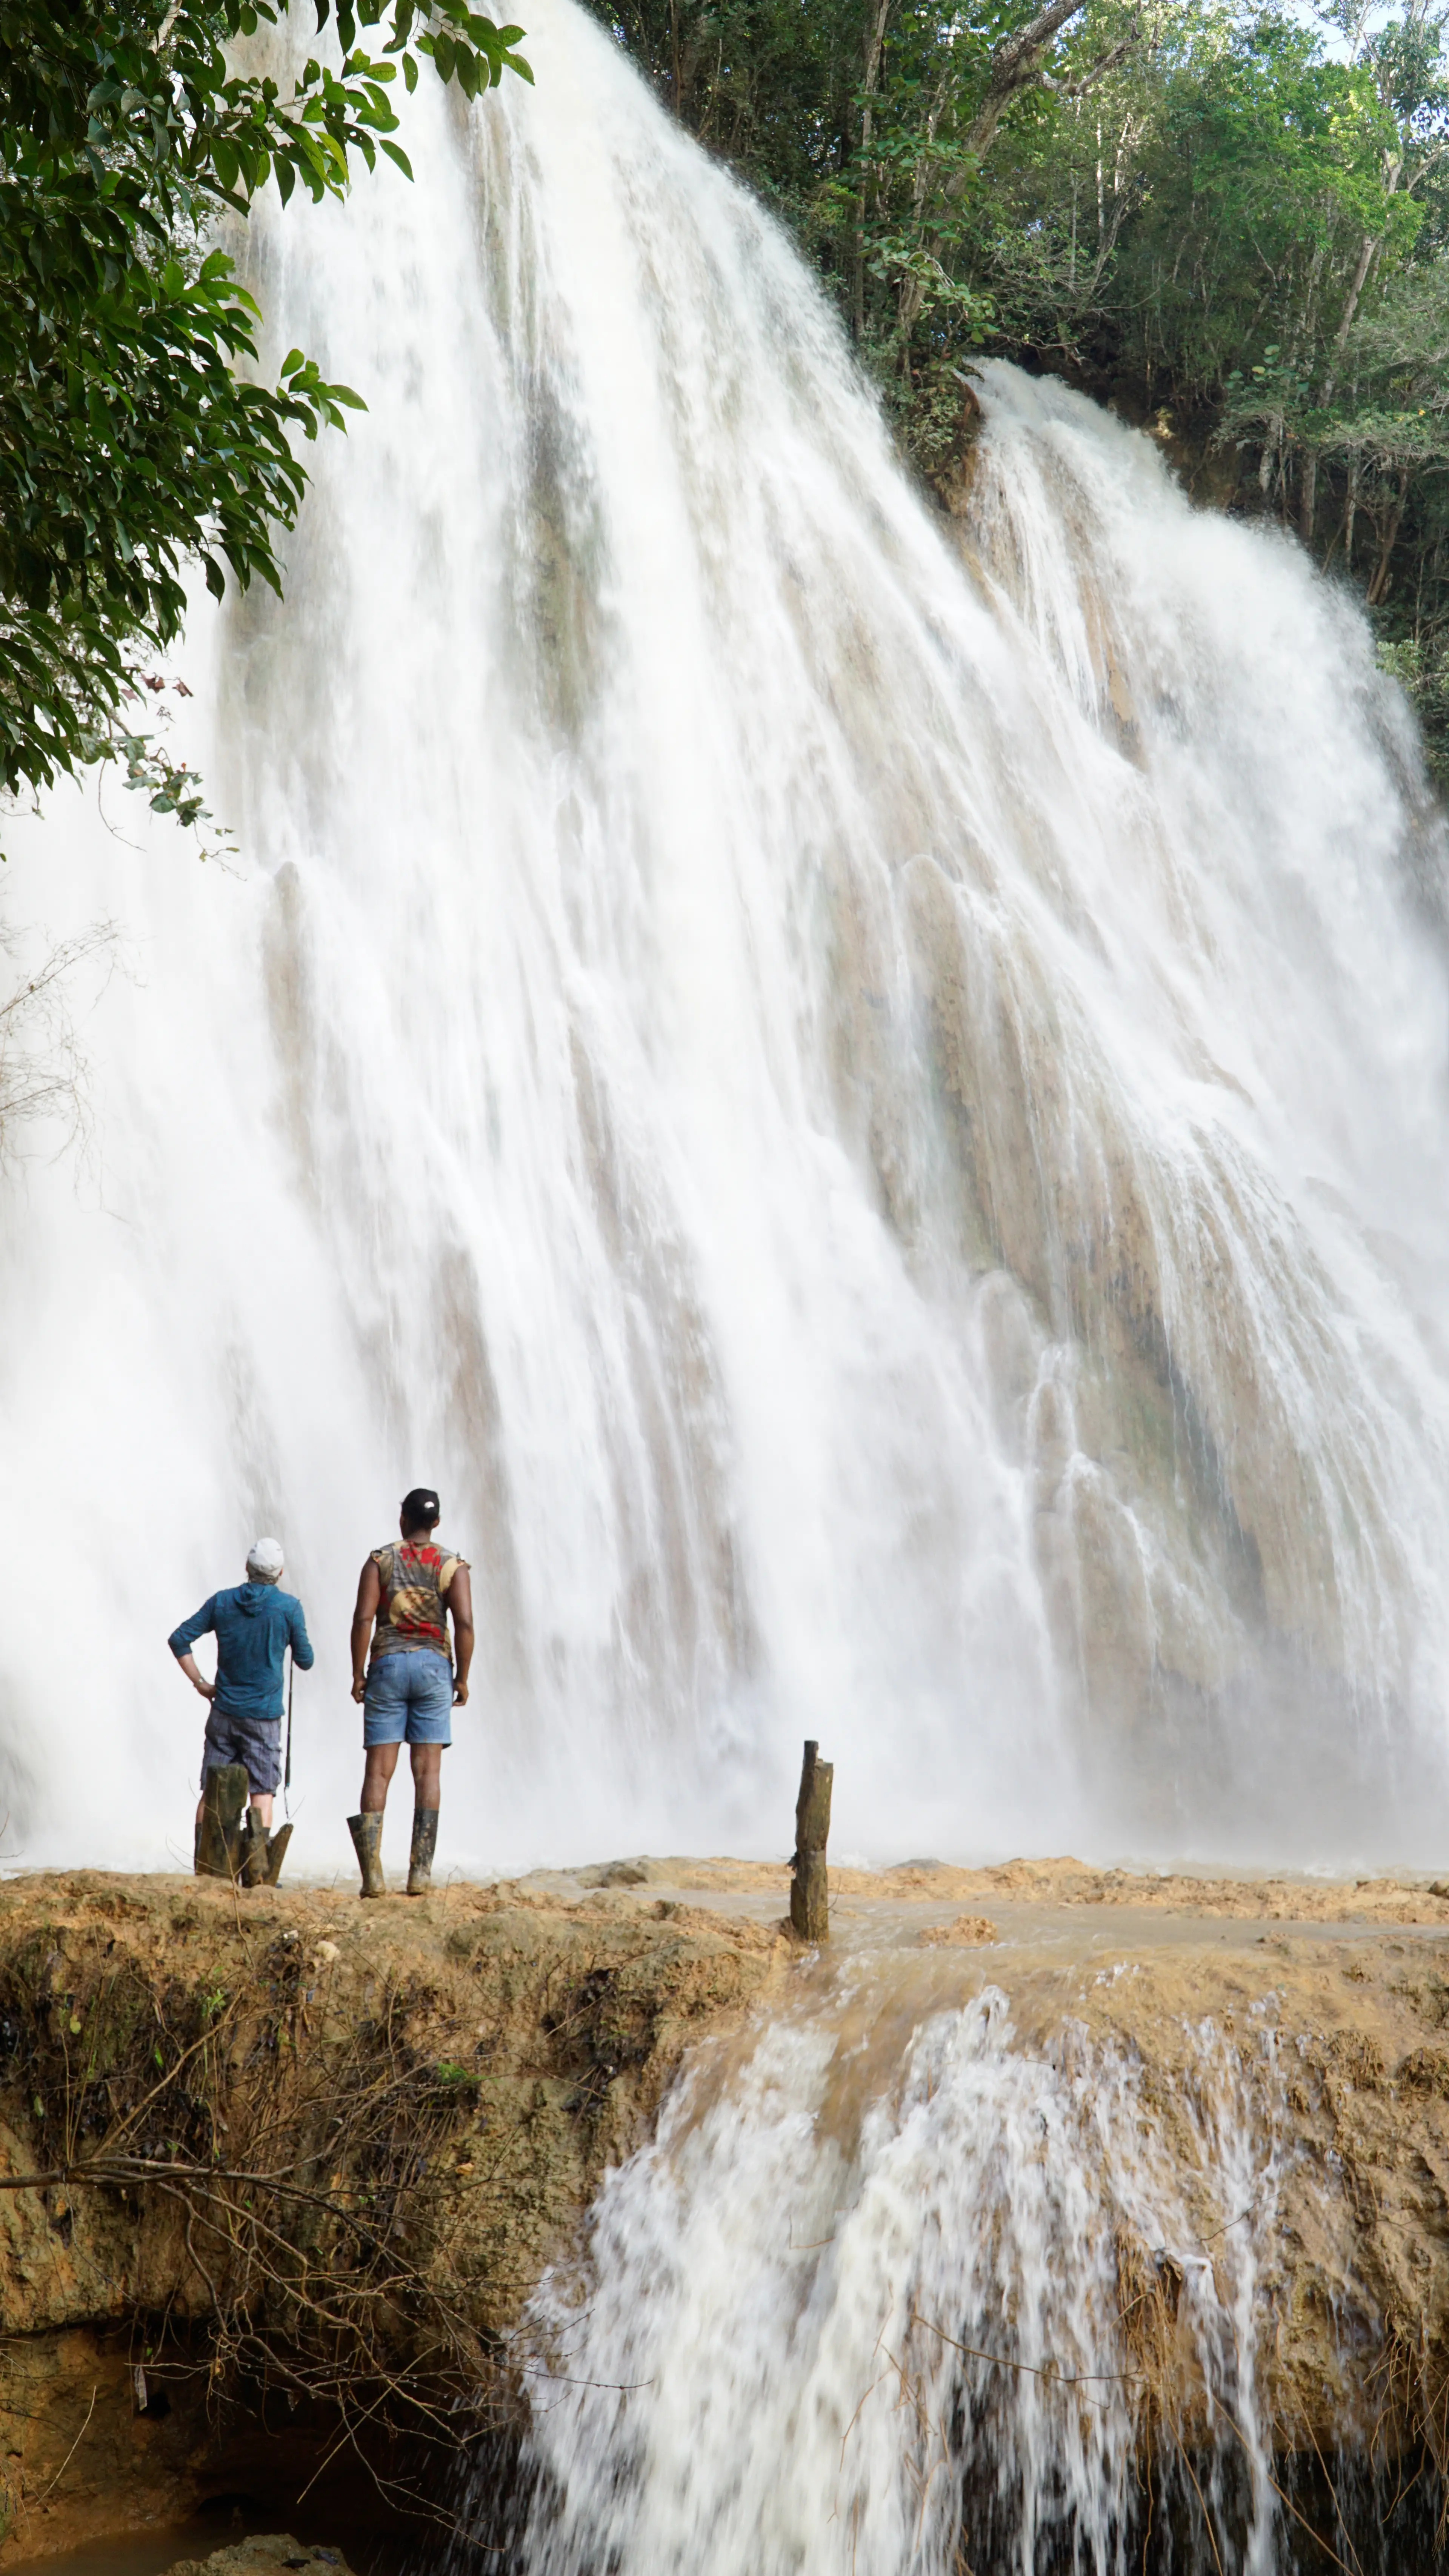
256,1741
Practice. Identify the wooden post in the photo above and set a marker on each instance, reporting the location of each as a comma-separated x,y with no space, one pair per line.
810,1886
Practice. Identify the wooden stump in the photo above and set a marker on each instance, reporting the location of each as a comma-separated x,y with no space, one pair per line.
809,1885
223,1801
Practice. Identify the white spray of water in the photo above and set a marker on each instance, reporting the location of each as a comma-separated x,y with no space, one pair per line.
775,2354
875,1124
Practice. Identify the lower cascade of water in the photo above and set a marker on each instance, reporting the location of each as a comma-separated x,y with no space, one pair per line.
946,2295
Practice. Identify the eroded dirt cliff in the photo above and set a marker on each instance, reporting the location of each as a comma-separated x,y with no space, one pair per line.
297,2164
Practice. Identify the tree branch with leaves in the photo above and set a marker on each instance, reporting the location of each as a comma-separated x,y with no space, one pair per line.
134,440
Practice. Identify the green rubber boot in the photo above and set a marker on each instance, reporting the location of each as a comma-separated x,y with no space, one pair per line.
219,1846
425,1843
254,1851
366,1832
276,1854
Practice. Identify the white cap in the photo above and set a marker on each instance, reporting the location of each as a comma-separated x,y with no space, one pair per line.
264,1559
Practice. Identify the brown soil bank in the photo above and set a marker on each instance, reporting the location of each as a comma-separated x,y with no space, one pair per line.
297,2162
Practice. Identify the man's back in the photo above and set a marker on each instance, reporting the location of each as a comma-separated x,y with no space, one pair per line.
254,1625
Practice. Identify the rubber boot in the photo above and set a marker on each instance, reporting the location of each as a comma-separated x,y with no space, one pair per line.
276,1854
366,1832
196,1849
254,1851
425,1843
223,1796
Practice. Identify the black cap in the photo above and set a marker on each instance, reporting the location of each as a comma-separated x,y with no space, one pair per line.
421,1508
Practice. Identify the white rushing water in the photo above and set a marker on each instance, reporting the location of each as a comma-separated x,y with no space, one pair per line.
871,2303
869,1107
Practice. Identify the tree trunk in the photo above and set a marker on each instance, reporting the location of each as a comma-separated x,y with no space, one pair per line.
874,48
1016,64
809,1886
1378,587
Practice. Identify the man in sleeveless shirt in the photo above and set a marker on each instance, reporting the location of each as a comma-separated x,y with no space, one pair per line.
408,1686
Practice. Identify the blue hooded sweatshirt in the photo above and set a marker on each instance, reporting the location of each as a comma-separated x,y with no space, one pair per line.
254,1626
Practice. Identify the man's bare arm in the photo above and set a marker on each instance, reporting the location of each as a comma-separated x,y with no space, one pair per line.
460,1602
196,1676
369,1602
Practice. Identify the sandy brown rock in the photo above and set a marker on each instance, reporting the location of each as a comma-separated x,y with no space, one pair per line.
273,2553
968,1932
1280,1899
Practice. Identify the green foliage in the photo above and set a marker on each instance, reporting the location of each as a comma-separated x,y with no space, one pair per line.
133,436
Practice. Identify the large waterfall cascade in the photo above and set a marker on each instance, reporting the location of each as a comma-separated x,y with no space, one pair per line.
865,1097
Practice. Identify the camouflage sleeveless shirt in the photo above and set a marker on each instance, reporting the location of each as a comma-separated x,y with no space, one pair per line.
412,1611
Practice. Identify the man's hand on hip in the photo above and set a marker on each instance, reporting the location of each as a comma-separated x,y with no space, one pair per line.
207,1689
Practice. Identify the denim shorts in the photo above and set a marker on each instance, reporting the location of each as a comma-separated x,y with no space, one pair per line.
256,1741
408,1698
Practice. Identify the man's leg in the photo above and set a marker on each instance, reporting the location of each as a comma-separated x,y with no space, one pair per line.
380,1764
429,1730
427,1774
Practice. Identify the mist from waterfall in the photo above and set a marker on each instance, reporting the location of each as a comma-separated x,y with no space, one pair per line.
865,1095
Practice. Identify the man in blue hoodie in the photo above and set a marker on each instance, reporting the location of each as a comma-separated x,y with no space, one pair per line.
254,1624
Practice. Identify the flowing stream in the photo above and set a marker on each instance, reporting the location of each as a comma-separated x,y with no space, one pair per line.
888,2294
863,1092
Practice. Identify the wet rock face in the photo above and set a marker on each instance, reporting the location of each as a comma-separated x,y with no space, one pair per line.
1341,2050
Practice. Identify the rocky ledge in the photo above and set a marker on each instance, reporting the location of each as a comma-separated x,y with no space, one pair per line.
278,2172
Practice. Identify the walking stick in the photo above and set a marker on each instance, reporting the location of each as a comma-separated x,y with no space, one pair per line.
291,1676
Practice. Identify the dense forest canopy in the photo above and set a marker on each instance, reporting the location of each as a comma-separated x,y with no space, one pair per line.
1231,221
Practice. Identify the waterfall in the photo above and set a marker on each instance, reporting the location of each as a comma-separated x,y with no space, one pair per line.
872,2302
863,1092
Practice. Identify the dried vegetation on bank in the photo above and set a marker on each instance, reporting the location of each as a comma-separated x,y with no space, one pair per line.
309,2158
